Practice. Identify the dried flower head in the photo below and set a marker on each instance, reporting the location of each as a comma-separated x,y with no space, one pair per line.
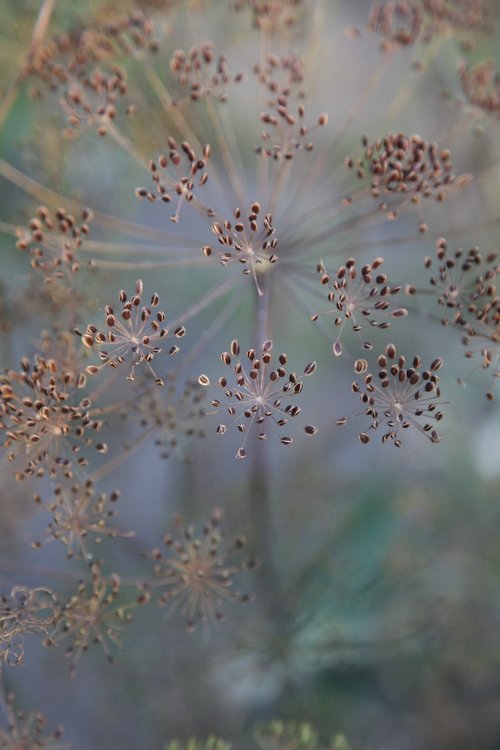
45,421
398,21
271,16
398,397
24,611
26,731
246,241
173,418
92,100
53,240
78,514
359,294
481,85
136,335
197,573
405,168
201,72
286,129
459,14
462,280
482,337
174,175
94,615
258,394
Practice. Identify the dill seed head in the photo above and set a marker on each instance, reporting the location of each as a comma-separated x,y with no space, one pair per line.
134,336
79,515
174,175
357,295
196,574
404,168
52,240
398,396
200,72
27,731
481,85
249,240
173,418
400,23
257,395
45,420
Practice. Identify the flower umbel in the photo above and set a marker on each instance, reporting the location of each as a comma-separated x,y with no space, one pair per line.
398,396
258,394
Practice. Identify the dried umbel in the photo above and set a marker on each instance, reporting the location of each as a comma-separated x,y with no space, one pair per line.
481,85
400,23
271,16
173,418
358,295
462,280
79,515
249,240
177,175
259,399
200,72
401,395
45,421
92,101
27,731
53,240
95,615
25,611
196,573
405,168
459,14
286,130
482,337
135,335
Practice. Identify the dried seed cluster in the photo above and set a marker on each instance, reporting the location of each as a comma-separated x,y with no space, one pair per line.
359,294
24,611
77,515
200,72
135,335
258,394
196,574
174,175
405,167
481,85
27,731
249,241
398,396
44,419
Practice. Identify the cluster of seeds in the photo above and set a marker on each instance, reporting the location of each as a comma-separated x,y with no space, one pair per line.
77,514
246,241
272,15
174,175
175,419
398,397
399,22
358,294
94,615
92,100
257,396
405,167
44,420
481,85
200,72
53,240
135,335
196,575
459,14
27,731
